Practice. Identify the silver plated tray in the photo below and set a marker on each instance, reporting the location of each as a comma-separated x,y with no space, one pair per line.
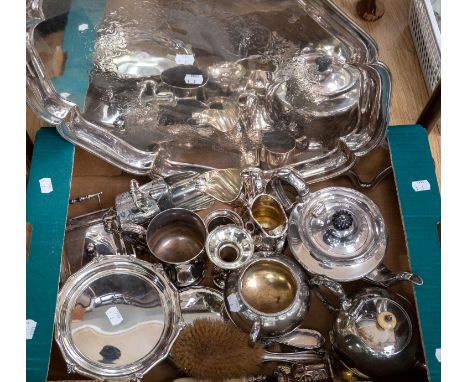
169,86
116,318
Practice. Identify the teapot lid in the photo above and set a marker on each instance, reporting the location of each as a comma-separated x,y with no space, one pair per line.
317,77
342,234
382,324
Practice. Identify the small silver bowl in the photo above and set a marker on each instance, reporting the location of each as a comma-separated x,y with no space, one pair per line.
229,247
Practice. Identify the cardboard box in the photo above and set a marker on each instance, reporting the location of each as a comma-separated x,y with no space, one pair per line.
411,217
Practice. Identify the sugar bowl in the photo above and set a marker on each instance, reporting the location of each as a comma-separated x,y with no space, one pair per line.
268,297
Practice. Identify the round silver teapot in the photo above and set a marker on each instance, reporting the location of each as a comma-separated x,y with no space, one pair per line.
320,95
337,232
373,332
268,297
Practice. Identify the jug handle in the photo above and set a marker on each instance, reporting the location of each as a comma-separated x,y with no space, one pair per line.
384,277
317,281
292,178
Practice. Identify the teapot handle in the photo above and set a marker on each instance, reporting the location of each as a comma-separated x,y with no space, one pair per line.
316,281
384,277
292,178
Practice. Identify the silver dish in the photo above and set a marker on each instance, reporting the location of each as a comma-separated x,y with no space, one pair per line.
116,318
229,247
268,297
201,302
125,96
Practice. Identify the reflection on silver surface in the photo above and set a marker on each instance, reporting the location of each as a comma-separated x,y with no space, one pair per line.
85,238
116,318
134,115
176,237
224,185
268,297
142,64
373,332
201,302
300,338
229,247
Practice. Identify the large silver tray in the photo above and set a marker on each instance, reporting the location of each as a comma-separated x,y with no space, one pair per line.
109,98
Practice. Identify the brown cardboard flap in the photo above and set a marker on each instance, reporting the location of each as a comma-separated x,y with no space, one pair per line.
87,164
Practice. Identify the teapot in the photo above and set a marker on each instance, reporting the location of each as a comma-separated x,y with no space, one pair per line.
337,232
374,331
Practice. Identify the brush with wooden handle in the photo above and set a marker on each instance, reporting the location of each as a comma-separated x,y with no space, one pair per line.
216,350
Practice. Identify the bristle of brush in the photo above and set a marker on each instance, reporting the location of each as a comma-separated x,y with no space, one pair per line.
216,350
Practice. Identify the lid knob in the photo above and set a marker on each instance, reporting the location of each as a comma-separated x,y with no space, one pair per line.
323,63
342,220
386,320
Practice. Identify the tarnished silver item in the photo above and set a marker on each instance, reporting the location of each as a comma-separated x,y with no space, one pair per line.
268,297
374,331
176,237
116,318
